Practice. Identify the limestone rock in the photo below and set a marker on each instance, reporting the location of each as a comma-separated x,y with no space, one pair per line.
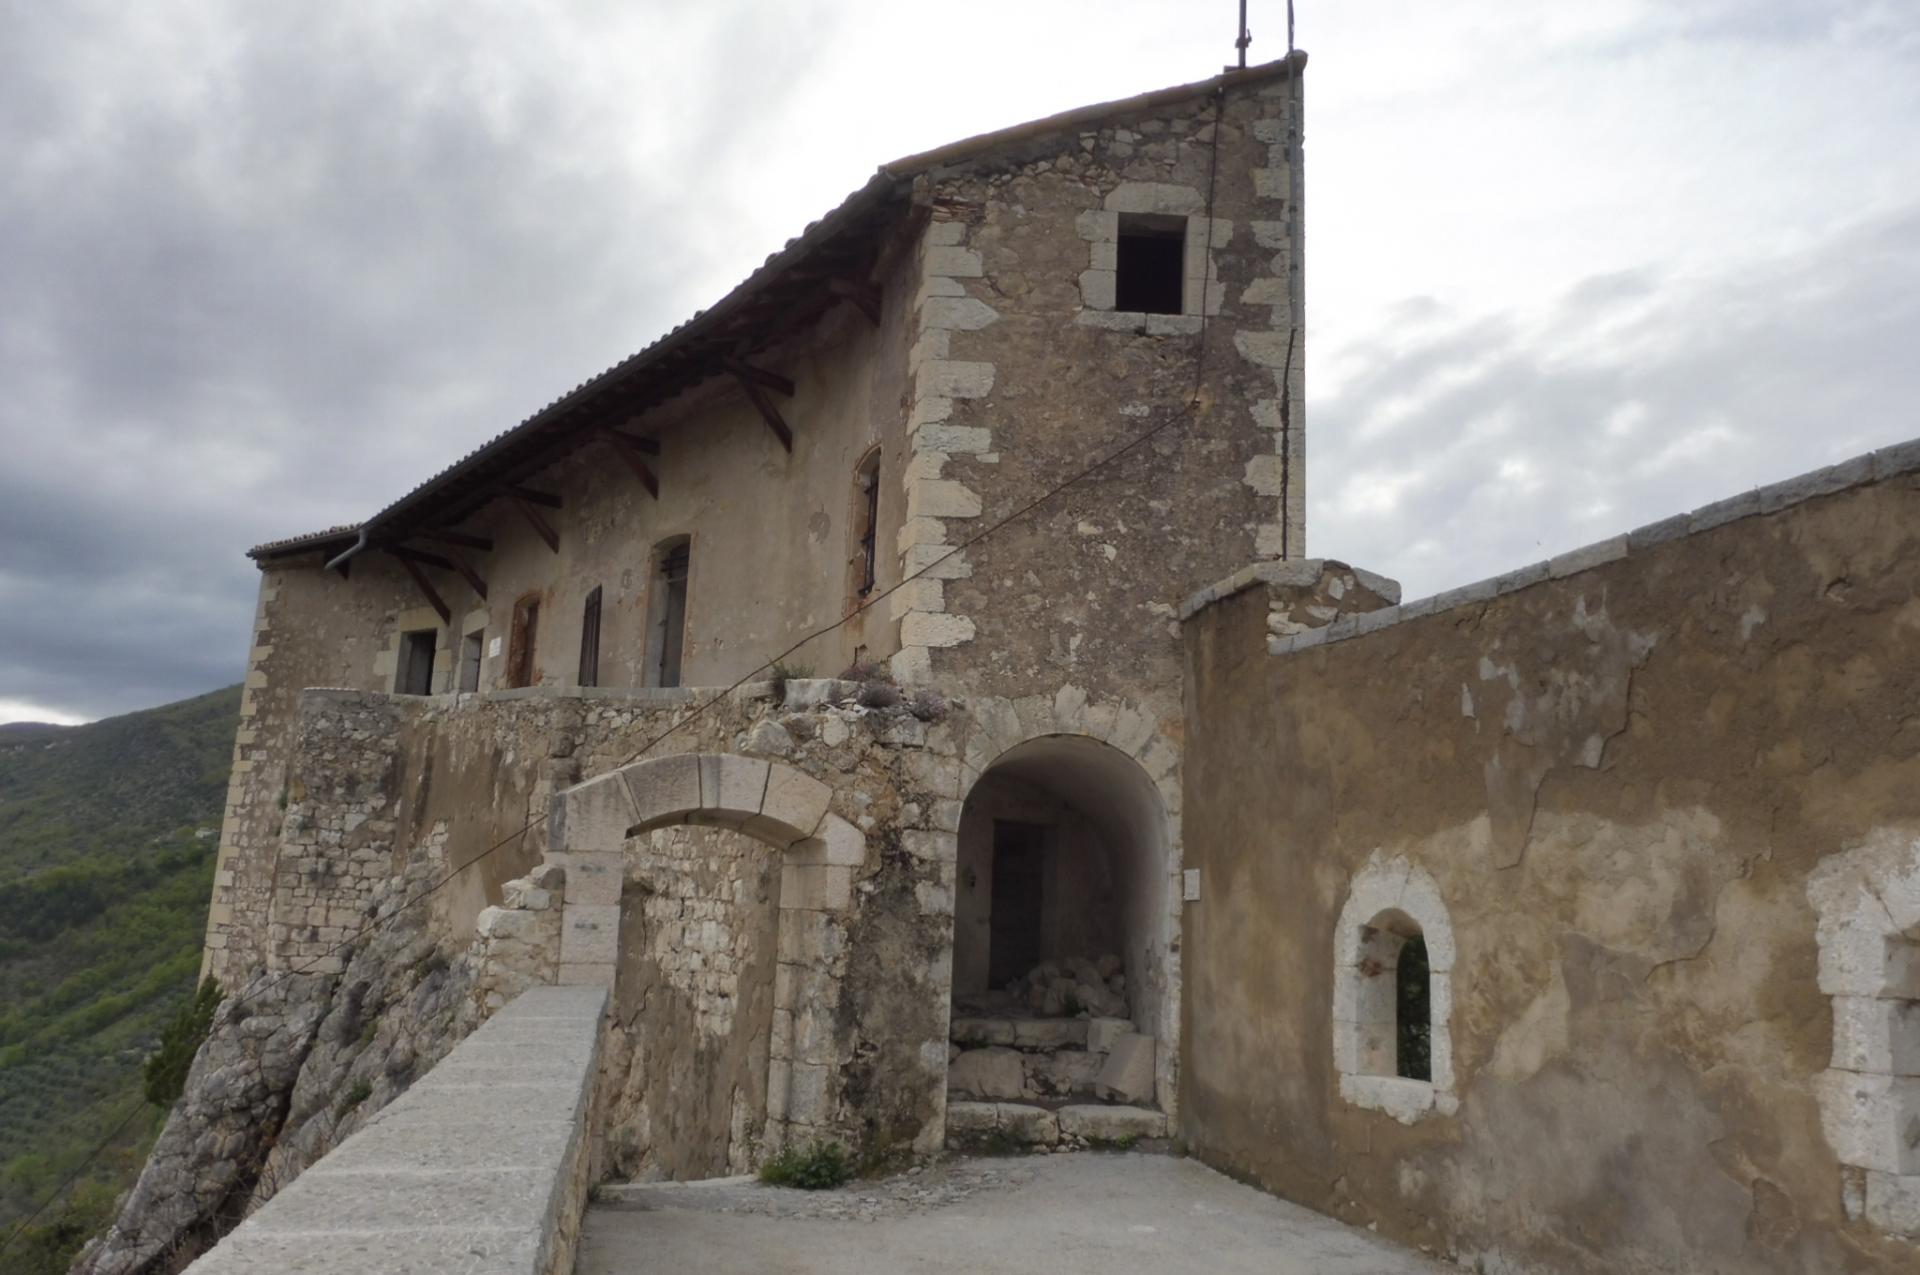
1127,1075
988,1073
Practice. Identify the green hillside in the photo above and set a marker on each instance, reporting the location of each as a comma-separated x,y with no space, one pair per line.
107,841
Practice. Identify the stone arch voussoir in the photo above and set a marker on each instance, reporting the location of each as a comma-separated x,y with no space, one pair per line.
775,803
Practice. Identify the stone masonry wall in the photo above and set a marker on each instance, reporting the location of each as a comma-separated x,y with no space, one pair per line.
694,1004
1654,807
1024,373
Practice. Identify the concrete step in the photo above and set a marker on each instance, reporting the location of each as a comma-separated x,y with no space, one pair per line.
971,1125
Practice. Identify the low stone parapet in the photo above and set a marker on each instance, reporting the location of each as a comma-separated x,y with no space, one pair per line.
480,1168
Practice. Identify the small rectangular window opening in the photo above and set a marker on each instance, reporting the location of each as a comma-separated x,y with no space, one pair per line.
590,640
867,521
416,661
526,629
668,612
470,647
1150,264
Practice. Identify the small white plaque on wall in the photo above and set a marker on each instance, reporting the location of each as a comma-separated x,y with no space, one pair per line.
1190,885
493,649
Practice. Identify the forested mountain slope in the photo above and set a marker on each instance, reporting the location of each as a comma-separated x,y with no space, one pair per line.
107,841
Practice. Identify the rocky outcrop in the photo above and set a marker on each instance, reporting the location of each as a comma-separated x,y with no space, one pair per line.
294,1063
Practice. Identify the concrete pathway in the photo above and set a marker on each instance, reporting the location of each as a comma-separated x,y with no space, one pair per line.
1086,1214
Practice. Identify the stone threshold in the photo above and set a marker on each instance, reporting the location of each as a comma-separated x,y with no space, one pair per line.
1028,1124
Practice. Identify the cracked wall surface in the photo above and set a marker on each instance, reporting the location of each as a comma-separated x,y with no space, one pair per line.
1646,785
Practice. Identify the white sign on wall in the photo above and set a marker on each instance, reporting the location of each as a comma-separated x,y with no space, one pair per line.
1190,885
493,648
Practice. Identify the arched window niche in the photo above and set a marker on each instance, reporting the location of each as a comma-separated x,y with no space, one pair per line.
1393,993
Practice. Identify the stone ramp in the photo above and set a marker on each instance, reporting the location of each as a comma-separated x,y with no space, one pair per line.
1085,1214
479,1169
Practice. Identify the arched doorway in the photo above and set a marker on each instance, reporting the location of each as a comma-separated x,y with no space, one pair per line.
760,873
1064,926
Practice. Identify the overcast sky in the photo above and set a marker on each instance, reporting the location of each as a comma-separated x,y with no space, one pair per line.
1572,265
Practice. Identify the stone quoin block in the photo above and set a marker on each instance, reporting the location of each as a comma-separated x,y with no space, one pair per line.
590,934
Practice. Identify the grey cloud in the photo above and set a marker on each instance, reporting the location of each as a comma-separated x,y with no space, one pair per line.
263,269
1640,395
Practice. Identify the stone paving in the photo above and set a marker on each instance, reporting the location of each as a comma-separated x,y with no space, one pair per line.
1081,1214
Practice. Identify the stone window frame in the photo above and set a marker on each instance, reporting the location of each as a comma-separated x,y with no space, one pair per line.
389,661
1868,938
1201,291
1390,901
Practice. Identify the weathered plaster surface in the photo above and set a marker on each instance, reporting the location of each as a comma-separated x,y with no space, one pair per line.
1625,786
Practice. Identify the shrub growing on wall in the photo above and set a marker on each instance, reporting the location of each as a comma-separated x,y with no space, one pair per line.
166,1069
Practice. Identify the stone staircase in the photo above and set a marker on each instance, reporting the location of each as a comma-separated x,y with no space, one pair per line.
1017,1080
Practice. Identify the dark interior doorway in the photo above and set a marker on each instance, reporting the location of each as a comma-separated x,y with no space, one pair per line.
1018,875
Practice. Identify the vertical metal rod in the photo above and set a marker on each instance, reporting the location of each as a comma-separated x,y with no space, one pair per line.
1289,25
1245,38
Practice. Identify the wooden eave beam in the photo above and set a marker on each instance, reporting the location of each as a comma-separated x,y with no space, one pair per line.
546,500
423,584
863,296
481,543
539,524
450,562
758,375
756,382
645,446
636,458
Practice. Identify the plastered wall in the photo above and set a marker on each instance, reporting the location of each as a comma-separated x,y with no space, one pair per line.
1639,782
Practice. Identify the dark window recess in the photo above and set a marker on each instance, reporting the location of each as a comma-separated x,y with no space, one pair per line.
590,640
526,629
670,610
1151,264
1013,944
869,481
416,662
1413,1012
470,649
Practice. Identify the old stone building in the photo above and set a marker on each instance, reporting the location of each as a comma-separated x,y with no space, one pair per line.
804,468
828,682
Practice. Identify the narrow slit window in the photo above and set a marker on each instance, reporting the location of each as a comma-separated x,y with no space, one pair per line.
470,649
1150,264
590,640
1413,1001
416,662
520,649
866,522
667,628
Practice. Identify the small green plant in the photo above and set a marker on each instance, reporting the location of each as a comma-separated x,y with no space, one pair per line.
820,1167
165,1074
1002,1143
784,672
358,1092
878,694
866,671
1122,1143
